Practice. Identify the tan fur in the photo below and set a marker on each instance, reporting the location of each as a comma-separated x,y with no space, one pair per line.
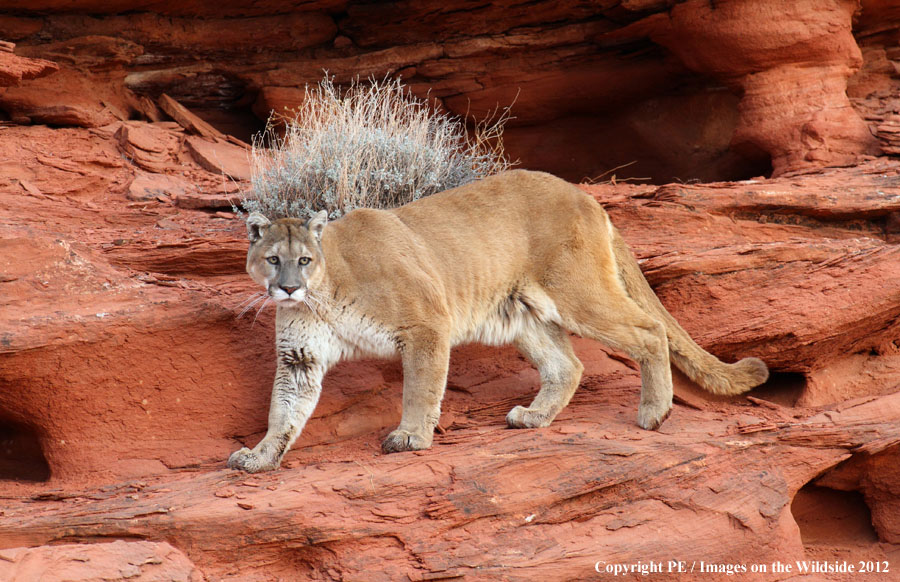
522,258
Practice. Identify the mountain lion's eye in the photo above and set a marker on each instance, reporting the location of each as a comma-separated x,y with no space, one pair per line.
272,260
304,261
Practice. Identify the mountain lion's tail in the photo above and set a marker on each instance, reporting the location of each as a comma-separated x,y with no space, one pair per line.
700,366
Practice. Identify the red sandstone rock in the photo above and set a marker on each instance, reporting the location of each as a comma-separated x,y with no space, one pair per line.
98,562
792,76
15,69
220,157
190,8
496,504
875,89
67,98
150,147
604,79
64,295
188,120
157,187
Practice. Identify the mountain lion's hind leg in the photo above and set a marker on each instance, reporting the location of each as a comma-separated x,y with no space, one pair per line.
620,323
426,358
549,349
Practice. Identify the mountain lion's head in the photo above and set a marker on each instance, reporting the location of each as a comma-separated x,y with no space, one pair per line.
285,256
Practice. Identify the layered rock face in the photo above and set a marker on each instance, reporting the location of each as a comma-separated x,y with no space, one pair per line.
790,63
704,90
135,354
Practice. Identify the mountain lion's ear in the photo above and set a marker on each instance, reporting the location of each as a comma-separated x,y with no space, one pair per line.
317,223
256,225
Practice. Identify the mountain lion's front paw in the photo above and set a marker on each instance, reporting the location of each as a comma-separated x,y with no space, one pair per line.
247,460
404,440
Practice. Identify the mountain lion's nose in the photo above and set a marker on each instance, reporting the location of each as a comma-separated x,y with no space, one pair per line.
289,290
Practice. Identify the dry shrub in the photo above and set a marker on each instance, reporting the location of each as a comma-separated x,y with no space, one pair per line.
373,145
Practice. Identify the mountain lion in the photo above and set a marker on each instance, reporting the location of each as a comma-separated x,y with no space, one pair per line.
521,257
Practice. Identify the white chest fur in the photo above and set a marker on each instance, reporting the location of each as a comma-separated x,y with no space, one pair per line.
333,333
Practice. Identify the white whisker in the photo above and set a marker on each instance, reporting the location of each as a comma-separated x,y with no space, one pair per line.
312,300
310,303
250,297
253,301
258,311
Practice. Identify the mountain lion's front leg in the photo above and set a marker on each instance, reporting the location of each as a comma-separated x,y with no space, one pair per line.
298,383
426,357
